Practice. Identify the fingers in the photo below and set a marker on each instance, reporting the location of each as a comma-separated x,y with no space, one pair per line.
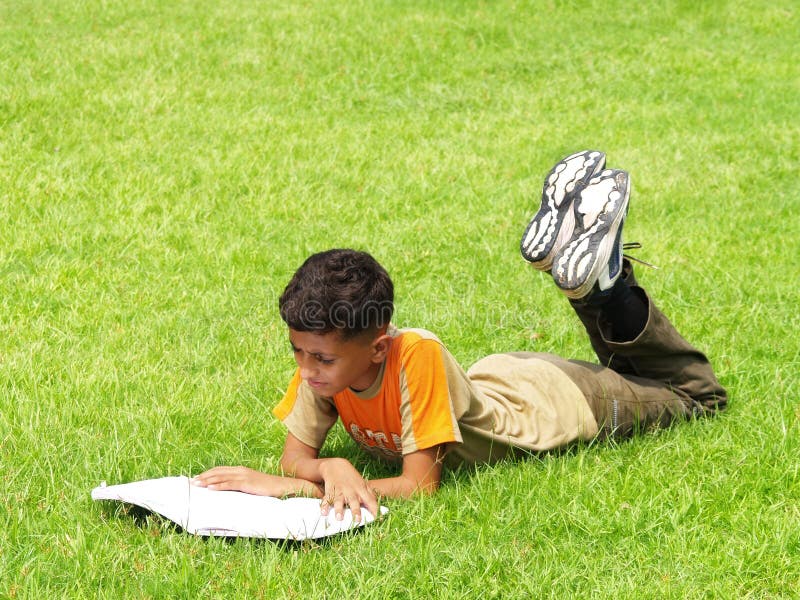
339,502
325,505
354,501
372,505
343,502
344,488
220,478
355,510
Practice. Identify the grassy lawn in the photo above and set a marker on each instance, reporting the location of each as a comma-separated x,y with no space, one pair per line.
164,167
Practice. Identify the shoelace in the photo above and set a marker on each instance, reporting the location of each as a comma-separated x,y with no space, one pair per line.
635,246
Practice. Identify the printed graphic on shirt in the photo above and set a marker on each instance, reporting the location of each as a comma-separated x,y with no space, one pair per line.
377,442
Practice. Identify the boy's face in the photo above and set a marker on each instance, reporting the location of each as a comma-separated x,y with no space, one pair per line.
329,365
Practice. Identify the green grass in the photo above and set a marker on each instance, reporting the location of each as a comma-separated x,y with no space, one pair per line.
164,167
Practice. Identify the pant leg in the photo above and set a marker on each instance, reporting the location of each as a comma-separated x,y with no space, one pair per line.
652,380
624,405
660,353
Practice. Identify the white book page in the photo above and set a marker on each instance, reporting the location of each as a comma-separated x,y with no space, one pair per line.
201,511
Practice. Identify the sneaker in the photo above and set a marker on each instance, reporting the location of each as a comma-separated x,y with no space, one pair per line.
591,260
553,225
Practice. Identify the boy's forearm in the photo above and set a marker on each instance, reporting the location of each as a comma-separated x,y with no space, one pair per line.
301,460
391,487
401,487
296,486
422,474
250,481
304,467
297,467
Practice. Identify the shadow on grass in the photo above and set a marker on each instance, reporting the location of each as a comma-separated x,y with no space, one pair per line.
156,524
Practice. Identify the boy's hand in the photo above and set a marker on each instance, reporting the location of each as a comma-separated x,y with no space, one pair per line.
250,481
345,487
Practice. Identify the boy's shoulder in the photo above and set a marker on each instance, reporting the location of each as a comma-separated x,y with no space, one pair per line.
408,336
415,345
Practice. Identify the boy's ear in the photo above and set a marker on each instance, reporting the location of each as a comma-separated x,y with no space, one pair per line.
380,347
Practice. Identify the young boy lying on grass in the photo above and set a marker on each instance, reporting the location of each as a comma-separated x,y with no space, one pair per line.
402,396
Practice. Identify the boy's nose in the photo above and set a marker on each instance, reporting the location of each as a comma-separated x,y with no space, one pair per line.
305,370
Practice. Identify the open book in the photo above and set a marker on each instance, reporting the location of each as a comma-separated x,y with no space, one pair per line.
201,511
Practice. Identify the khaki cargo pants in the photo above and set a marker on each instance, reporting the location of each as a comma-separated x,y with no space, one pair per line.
651,381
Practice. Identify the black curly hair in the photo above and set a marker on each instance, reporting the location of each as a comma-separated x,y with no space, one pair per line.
338,290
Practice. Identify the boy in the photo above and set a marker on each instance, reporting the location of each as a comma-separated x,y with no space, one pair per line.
402,396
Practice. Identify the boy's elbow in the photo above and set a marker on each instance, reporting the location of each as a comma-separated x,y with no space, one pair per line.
287,466
431,488
424,488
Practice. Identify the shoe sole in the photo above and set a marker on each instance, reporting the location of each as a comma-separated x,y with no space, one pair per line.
553,225
599,212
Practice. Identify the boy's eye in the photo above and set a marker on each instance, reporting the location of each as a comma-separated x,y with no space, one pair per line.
317,357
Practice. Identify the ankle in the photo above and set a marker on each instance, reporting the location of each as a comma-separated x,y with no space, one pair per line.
626,310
